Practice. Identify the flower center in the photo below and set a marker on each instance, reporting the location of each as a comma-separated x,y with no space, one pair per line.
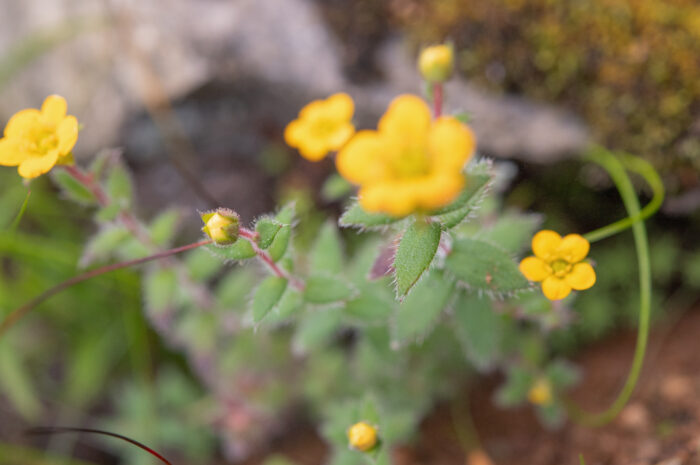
42,141
560,268
411,162
323,127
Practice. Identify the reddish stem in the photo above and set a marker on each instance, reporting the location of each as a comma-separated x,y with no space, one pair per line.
437,99
21,311
252,237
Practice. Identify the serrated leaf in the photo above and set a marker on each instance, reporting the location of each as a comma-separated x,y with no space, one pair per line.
160,288
104,244
470,198
280,244
415,253
119,185
483,266
327,252
73,189
164,227
479,329
316,329
356,217
239,250
325,289
420,310
267,229
267,295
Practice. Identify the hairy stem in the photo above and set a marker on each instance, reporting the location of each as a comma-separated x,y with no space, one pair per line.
616,170
18,313
251,237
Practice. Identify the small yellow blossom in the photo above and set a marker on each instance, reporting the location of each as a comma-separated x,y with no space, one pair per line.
435,63
410,163
541,392
36,140
362,436
322,126
221,226
558,264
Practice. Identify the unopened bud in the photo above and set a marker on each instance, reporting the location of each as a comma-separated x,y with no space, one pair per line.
221,226
541,392
435,63
362,436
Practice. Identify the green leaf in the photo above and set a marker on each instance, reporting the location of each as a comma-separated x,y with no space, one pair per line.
164,227
16,382
234,288
562,374
119,185
479,329
289,304
316,329
374,304
324,289
415,253
89,368
480,265
474,192
267,295
280,244
239,250
335,188
512,231
419,312
108,213
73,189
514,390
463,117
160,289
356,217
327,253
201,264
286,214
104,244
267,229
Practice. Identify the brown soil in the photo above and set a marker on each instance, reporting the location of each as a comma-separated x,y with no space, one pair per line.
661,425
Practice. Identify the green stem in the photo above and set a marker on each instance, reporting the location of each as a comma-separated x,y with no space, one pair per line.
18,313
647,171
20,214
616,170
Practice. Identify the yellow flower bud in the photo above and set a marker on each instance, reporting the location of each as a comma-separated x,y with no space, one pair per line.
541,392
221,226
435,63
362,436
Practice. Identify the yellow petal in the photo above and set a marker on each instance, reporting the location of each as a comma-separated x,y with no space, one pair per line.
407,117
313,149
360,160
21,122
573,248
340,106
436,190
53,110
392,198
36,166
295,132
313,110
67,132
545,244
554,288
340,136
582,276
450,144
11,153
535,269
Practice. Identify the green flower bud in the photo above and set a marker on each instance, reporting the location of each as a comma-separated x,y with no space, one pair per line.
435,63
362,436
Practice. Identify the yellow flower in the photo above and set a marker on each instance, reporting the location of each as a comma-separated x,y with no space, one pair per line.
37,140
362,436
435,63
222,226
558,264
322,126
540,393
410,163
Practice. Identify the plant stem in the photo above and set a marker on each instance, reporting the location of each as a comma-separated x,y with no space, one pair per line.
251,237
647,171
18,313
437,99
20,214
616,170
